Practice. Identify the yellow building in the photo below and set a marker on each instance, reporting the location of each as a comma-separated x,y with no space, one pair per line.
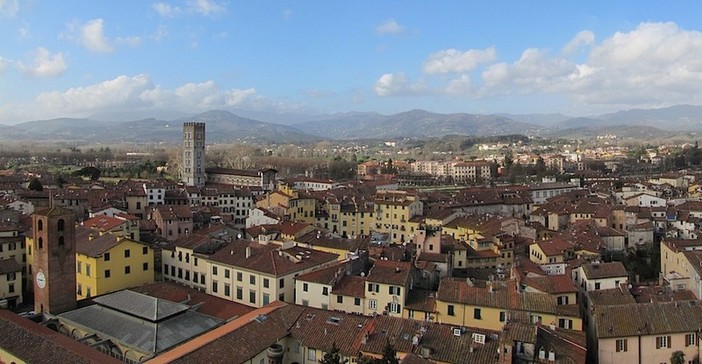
393,211
107,263
460,303
387,286
256,274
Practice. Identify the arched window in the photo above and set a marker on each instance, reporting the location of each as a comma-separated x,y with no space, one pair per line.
40,225
61,224
61,242
40,242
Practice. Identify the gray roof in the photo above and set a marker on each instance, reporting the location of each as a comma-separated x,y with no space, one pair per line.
134,329
141,305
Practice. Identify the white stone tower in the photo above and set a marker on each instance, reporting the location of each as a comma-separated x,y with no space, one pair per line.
193,171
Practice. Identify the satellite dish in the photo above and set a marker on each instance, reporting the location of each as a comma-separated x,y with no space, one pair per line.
238,236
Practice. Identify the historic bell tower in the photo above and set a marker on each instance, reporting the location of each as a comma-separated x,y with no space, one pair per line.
54,266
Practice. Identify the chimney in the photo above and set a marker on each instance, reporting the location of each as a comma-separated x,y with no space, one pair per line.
248,251
275,354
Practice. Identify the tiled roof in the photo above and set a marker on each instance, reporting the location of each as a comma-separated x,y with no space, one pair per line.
9,265
350,286
104,223
647,319
90,243
241,340
206,304
421,300
319,329
568,346
608,297
390,272
270,259
553,284
604,270
34,343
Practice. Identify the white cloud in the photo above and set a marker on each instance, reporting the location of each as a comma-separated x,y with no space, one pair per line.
584,37
653,65
137,93
453,60
206,7
44,64
390,27
166,10
201,7
131,41
397,84
92,36
8,8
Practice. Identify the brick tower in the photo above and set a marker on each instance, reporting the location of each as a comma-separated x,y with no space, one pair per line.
54,267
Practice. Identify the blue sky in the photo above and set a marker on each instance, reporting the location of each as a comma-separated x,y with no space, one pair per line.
164,58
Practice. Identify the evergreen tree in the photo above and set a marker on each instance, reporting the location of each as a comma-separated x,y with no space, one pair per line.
389,354
333,356
35,185
678,357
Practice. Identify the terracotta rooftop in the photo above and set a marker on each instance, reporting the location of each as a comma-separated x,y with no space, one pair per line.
34,343
604,270
647,319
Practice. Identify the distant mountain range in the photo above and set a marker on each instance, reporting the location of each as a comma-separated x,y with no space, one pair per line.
226,126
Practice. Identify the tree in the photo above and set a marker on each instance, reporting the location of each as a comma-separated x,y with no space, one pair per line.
333,356
35,185
678,357
389,354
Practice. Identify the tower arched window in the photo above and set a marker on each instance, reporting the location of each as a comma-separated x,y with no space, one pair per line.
61,225
40,242
61,242
40,225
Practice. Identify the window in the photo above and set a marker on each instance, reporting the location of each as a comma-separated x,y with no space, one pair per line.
227,289
281,283
40,225
145,266
41,241
394,290
145,250
622,345
372,304
226,273
87,270
535,319
60,225
215,286
597,285
239,293
252,279
252,296
662,342
239,276
395,307
325,291
562,300
266,299
107,273
79,291
451,310
373,287
11,288
477,314
690,339
265,282
305,287
503,316
339,299
126,253
357,301
79,267
312,355
214,270
565,323
87,292
127,269
106,257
